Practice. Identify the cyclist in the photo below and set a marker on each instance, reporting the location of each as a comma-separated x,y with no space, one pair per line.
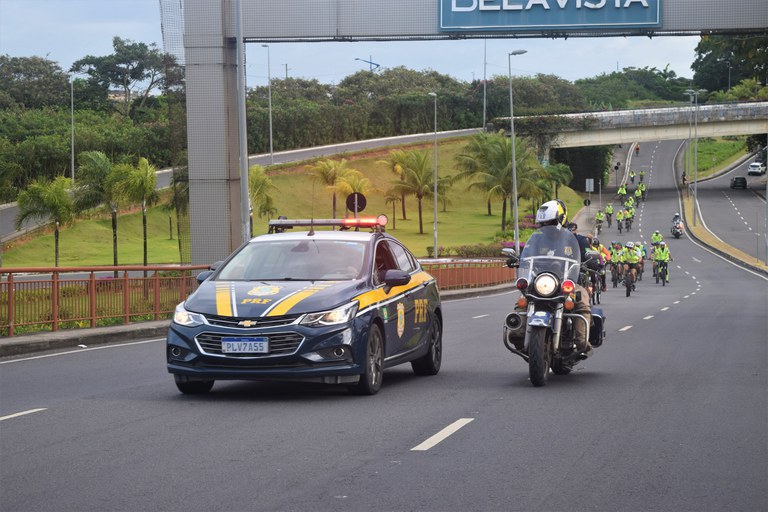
656,237
609,213
622,191
642,252
605,260
629,216
629,260
599,217
661,256
642,175
641,186
638,194
629,202
632,175
620,219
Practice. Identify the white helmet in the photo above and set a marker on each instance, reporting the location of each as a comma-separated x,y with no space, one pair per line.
552,212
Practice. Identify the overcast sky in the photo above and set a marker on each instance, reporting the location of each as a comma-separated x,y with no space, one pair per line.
67,30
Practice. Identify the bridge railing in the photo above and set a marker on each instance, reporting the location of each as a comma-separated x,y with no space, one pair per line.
52,299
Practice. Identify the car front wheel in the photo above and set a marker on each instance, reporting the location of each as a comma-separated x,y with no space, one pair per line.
192,387
370,380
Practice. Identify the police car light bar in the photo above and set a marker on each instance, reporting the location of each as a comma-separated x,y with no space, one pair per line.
360,222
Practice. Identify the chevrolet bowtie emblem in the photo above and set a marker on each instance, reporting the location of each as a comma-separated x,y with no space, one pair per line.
246,323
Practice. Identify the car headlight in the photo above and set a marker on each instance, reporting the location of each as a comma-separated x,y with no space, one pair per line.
183,317
340,315
545,285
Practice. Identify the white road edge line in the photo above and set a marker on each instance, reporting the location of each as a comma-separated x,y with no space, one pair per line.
100,347
23,413
442,435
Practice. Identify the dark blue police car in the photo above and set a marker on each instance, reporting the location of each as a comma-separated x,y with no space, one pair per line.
334,307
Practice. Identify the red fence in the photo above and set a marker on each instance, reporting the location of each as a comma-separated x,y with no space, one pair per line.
50,299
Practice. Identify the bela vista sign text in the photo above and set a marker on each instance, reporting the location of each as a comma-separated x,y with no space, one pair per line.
511,15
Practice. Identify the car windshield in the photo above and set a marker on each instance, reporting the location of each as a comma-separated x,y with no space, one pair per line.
296,260
551,250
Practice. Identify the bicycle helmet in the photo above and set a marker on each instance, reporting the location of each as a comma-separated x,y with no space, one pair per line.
552,213
662,244
595,242
630,245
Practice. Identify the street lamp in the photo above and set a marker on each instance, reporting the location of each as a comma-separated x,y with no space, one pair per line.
512,137
694,95
369,62
434,180
485,66
269,94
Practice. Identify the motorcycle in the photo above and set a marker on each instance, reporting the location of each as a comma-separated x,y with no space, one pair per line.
541,330
676,230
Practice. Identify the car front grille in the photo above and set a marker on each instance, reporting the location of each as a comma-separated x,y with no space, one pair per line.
280,344
228,321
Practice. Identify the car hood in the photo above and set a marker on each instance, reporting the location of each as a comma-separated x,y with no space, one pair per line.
251,299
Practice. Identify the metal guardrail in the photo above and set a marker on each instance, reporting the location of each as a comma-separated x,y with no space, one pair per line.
51,299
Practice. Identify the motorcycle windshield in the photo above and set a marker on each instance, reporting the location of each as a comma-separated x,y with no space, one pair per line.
551,250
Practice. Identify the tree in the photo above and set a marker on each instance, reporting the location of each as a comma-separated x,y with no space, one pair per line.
131,66
260,190
418,179
395,164
330,173
560,174
139,186
99,184
46,200
719,58
32,82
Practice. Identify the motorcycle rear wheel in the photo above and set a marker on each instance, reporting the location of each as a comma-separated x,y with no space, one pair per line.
538,356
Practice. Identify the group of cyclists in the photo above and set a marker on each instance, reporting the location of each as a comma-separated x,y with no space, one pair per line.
625,261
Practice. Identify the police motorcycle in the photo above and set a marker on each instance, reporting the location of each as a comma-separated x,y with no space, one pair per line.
541,330
677,226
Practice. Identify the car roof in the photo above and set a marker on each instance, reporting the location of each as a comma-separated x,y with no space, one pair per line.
342,236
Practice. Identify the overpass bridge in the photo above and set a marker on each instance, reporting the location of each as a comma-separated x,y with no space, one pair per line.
640,125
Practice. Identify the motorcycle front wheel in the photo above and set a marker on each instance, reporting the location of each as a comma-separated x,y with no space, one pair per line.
538,356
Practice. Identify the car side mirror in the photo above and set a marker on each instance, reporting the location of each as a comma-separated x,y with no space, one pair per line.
202,276
395,277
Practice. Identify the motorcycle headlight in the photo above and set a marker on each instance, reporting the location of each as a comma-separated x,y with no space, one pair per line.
340,315
545,285
183,317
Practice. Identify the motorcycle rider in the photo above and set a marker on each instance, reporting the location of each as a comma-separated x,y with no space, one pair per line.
554,213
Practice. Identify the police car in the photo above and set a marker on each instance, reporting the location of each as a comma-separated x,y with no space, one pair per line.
329,306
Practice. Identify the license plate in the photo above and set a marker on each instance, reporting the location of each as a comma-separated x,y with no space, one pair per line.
244,345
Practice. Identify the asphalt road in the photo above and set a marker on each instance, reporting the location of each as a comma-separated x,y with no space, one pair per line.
669,414
736,215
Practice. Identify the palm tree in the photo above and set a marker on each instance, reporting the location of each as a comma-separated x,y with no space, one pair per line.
392,196
260,187
138,185
329,173
395,165
46,200
418,179
472,160
97,185
560,174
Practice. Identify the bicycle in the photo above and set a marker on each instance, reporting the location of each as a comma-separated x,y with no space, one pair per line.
662,272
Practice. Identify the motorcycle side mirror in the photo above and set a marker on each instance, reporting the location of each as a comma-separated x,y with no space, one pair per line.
513,261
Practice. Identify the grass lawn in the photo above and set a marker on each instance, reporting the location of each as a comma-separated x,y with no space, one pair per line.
462,221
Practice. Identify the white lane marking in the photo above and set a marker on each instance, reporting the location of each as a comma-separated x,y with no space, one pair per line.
479,316
101,347
697,260
23,413
626,328
442,435
676,302
647,317
665,308
685,297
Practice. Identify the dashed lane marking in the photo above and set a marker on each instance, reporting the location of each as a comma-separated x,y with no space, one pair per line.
479,316
647,317
665,308
23,413
442,435
625,328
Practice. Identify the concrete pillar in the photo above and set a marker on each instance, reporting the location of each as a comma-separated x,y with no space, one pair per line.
212,130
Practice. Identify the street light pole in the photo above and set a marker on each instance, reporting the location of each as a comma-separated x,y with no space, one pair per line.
434,180
695,96
269,95
485,66
512,137
72,126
